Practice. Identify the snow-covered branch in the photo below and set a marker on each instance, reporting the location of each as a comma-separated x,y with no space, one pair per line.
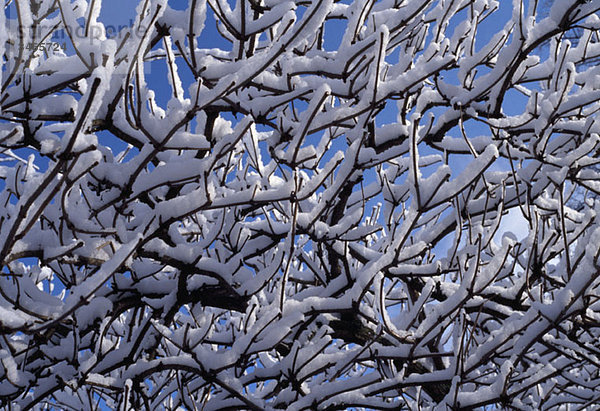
368,204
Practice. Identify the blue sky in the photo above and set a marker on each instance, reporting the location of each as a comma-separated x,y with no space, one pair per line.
117,13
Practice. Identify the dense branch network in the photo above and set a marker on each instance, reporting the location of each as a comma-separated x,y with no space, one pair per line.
271,236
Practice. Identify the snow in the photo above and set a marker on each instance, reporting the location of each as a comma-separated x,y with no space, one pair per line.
398,221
